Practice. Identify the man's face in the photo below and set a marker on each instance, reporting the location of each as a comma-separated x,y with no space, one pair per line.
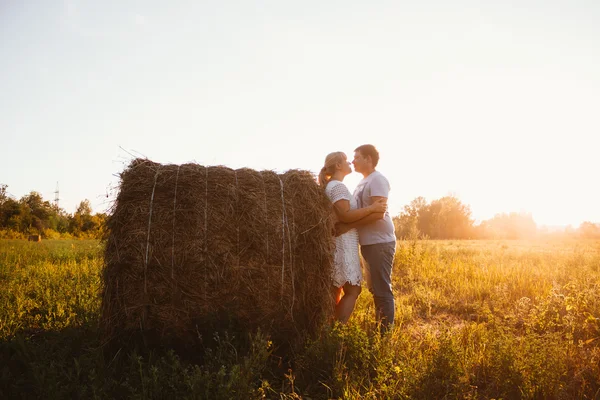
359,162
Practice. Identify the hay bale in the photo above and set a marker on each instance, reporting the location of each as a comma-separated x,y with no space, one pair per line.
35,238
194,249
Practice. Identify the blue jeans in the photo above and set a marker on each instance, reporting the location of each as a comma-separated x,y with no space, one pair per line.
380,260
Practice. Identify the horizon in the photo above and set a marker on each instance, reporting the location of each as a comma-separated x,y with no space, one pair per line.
400,208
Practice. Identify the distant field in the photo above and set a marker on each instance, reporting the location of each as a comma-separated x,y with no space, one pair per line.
475,319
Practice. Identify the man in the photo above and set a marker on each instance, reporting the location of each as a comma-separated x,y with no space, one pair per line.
376,233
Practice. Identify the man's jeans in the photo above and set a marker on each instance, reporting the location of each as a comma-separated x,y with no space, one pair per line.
380,260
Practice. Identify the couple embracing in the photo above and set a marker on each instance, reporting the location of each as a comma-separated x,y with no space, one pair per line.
363,222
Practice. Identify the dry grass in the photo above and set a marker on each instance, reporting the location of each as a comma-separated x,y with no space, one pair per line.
194,249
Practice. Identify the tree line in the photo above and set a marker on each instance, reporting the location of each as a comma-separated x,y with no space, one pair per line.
444,218
32,215
449,218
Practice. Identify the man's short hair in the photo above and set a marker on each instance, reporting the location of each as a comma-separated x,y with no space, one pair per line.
369,150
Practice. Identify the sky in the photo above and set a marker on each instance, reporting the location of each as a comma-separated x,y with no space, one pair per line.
496,103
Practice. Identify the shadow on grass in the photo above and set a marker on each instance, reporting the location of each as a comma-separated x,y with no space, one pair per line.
73,363
50,364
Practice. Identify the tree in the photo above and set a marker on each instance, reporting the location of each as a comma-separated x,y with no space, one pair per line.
84,224
508,226
84,208
445,218
59,222
36,214
38,207
589,230
32,214
407,223
9,208
3,194
448,219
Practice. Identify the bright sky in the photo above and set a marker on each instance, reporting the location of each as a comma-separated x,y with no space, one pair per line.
496,102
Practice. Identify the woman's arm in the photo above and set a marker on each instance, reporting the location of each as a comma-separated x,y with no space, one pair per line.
345,214
344,226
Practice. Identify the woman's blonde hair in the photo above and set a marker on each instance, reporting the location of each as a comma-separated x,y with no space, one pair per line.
329,168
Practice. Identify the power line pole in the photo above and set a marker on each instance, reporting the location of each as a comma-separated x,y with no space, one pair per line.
56,199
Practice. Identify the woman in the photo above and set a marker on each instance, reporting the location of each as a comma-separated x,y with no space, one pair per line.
347,273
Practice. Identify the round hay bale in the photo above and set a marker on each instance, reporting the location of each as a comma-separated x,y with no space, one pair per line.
193,249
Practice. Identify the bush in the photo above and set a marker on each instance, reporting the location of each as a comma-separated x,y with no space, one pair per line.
10,234
51,234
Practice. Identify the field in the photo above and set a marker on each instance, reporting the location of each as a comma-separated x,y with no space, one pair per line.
475,319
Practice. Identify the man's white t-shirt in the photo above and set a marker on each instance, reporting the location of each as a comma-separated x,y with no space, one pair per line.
382,230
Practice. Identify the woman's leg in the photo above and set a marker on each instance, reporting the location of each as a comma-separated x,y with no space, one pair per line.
345,306
337,294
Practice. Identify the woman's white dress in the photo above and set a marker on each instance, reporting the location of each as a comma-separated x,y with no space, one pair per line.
346,260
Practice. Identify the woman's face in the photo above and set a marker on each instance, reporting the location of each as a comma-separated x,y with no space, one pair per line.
346,167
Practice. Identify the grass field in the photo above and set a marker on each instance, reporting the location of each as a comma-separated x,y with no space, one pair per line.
475,319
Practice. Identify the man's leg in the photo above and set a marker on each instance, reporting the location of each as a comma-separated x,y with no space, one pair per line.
380,260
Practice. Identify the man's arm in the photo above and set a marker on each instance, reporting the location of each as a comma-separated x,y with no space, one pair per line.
341,228
345,214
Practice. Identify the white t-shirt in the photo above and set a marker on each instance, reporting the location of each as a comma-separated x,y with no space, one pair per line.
382,230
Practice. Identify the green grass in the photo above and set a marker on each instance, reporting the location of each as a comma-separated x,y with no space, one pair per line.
475,319
51,285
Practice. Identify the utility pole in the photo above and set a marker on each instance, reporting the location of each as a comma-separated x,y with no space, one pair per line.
56,197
